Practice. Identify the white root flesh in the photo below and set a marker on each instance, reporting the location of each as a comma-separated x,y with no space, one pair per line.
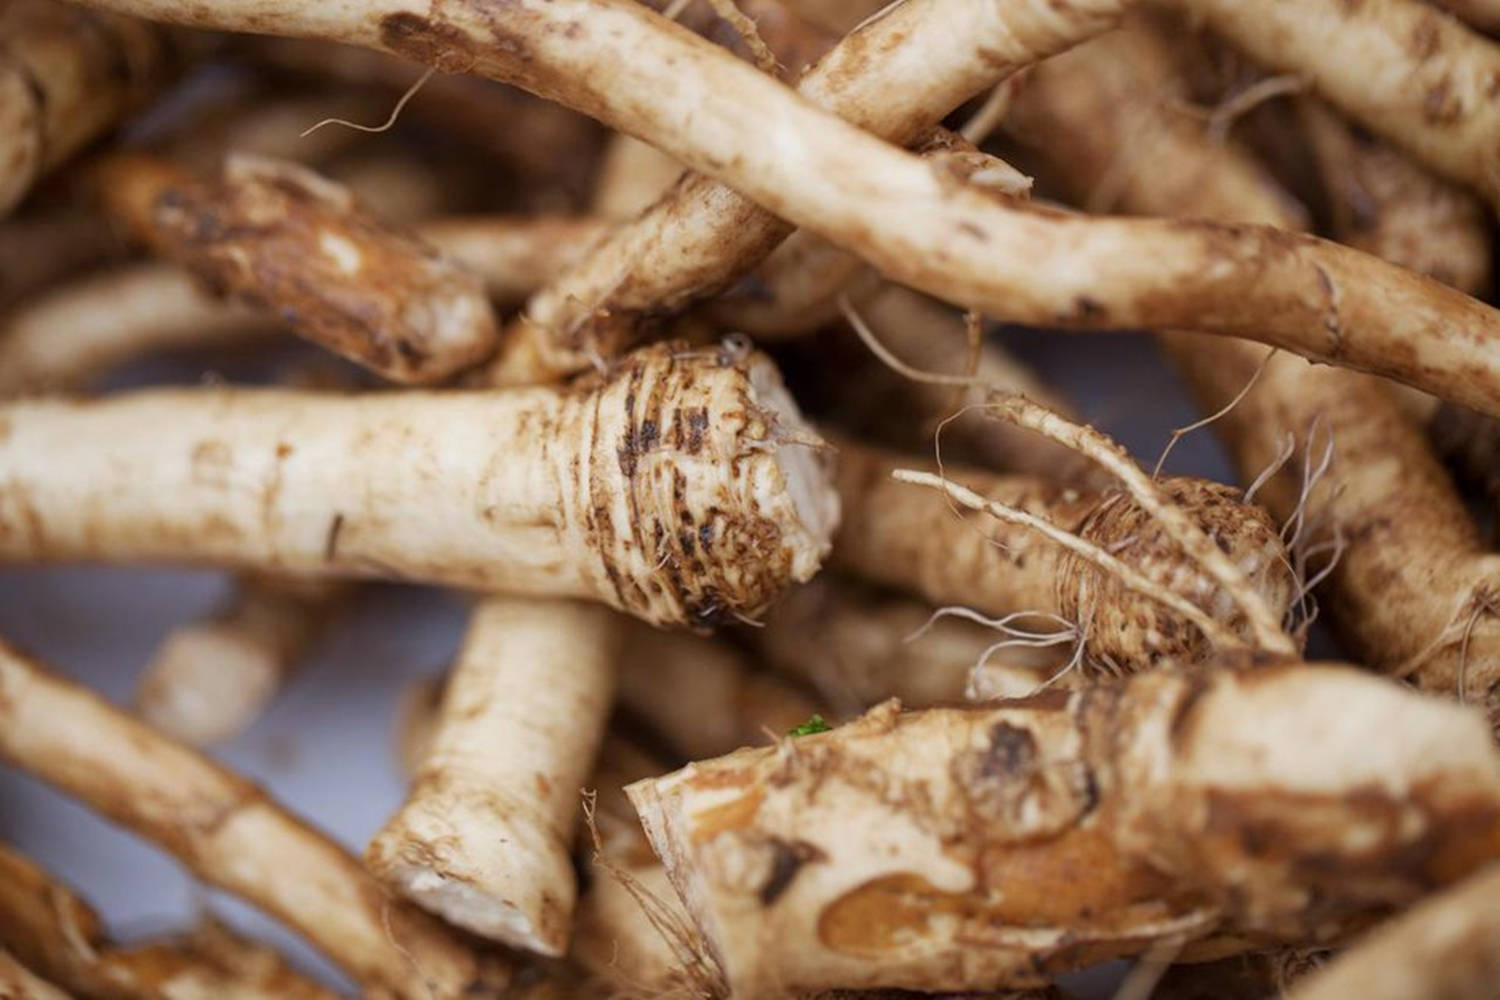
683,487
483,838
230,834
940,849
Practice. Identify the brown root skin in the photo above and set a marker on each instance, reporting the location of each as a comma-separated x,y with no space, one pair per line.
19,983
231,835
1412,574
66,76
56,933
1255,976
918,541
212,678
1445,948
297,246
940,849
1482,14
1406,71
41,248
682,487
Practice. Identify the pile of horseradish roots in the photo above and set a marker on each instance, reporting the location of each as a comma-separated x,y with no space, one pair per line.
816,645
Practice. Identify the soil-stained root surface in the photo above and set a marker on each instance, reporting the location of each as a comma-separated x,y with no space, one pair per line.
966,848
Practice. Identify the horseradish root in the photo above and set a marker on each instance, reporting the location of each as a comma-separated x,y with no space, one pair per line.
483,838
57,934
702,234
1446,948
941,850
19,983
682,488
212,678
66,76
1405,71
914,221
297,246
228,833
919,542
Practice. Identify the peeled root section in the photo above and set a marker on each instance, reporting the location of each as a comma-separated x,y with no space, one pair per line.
940,849
483,838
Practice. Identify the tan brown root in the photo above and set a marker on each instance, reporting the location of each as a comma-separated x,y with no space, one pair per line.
40,248
1254,976
1445,948
1482,14
1398,67
19,983
1412,588
702,234
939,849
66,76
857,646
702,697
484,835
229,834
514,255
684,487
921,543
297,246
918,224
212,678
59,934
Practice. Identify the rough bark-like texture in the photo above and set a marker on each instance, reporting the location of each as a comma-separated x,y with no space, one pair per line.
1412,576
683,487
915,540
969,848
67,75
298,247
230,834
483,838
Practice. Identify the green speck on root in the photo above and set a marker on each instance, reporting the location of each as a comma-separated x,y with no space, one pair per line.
814,725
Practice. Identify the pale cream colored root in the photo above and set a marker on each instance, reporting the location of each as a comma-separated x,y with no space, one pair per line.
803,869
483,837
514,255
229,834
703,697
857,646
298,246
398,187
211,679
1445,948
68,336
1009,260
702,235
66,76
1400,68
683,487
